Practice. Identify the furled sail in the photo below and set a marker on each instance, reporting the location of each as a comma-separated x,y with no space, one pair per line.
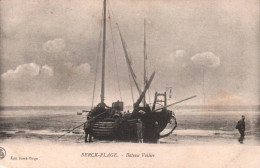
129,61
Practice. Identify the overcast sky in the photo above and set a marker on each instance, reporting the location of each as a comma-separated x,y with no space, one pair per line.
49,50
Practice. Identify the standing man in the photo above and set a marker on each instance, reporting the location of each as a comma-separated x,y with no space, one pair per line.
139,130
241,126
88,130
156,131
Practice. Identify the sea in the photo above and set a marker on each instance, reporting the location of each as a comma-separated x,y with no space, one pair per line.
196,125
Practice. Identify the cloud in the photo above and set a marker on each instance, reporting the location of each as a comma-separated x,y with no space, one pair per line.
180,54
83,69
27,71
225,98
181,58
54,46
206,59
47,70
178,57
184,65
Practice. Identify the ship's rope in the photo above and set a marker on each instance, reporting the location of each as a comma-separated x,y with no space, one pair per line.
149,96
97,63
130,83
113,42
146,58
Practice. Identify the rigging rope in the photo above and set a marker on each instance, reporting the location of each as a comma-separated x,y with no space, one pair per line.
149,95
132,94
131,86
128,59
97,63
145,59
119,88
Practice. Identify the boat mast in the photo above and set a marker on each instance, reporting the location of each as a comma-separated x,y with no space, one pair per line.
145,57
103,56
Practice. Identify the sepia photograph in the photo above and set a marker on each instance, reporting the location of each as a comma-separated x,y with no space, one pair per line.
129,83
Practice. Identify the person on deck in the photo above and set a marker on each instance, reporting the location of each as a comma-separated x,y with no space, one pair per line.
241,126
147,108
139,130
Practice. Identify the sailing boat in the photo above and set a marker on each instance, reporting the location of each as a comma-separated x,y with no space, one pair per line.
111,123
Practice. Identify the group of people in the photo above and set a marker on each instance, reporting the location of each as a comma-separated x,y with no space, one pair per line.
154,130
139,130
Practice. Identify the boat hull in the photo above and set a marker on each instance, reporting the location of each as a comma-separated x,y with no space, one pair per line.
124,129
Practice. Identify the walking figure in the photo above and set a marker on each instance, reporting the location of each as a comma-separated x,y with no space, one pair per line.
241,126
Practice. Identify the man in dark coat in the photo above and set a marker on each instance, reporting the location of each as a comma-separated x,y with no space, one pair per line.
88,130
241,126
156,131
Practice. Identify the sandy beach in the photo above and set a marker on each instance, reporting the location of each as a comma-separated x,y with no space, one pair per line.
194,128
202,139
